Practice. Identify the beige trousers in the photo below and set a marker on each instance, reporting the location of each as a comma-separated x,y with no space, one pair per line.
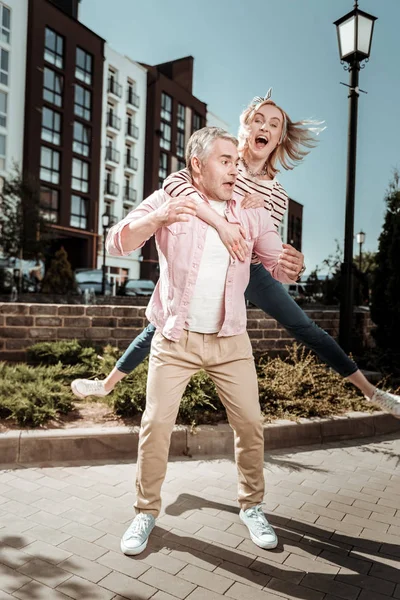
230,364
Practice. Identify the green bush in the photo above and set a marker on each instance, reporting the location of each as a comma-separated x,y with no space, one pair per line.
32,396
68,352
293,387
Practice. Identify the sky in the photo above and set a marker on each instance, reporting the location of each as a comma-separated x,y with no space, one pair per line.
242,48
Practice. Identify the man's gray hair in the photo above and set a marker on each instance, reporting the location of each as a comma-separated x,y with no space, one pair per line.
201,141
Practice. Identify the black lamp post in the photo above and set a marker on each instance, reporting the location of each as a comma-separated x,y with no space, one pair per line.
354,32
106,223
360,241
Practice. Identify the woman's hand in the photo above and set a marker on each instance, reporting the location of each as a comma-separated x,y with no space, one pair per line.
254,200
291,261
233,237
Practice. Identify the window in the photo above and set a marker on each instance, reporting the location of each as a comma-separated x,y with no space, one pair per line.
51,126
81,141
49,203
53,48
80,175
83,68
196,122
49,165
2,152
3,109
79,212
180,144
162,168
181,117
181,165
5,24
4,55
166,107
165,141
83,102
52,87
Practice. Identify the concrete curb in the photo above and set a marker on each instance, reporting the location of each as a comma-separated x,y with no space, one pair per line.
33,446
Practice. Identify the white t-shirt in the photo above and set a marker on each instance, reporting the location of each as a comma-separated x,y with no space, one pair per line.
206,310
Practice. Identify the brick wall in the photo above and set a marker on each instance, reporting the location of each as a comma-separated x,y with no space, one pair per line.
22,325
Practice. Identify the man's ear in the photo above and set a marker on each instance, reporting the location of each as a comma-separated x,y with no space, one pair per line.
196,165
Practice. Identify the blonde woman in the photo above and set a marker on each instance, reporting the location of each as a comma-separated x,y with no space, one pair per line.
267,138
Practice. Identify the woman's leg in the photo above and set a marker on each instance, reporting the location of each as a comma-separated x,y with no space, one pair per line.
131,358
269,295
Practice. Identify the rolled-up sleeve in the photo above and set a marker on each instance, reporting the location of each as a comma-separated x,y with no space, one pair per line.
113,241
268,247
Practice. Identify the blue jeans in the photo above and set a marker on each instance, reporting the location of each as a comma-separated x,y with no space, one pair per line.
269,295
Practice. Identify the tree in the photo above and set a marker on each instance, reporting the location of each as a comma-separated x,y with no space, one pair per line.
24,232
59,278
385,298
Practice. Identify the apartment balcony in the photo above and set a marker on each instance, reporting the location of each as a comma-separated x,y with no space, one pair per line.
114,87
113,121
111,188
132,131
112,154
131,162
132,99
130,194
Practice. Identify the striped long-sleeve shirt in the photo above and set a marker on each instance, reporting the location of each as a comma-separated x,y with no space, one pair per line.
275,197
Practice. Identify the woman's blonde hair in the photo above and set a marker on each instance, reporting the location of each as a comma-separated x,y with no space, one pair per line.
296,140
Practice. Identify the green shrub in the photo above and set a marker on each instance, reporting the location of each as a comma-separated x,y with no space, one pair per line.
32,396
68,352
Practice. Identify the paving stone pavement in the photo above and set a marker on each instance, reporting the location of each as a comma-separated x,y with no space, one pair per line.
336,509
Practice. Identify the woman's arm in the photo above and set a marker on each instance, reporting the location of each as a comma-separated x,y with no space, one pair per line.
232,236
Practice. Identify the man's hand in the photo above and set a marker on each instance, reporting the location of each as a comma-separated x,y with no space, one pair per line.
291,261
233,237
254,200
179,209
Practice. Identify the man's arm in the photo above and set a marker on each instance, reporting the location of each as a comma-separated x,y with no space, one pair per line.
270,250
141,223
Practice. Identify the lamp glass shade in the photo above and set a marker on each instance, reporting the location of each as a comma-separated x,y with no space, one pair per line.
360,237
105,220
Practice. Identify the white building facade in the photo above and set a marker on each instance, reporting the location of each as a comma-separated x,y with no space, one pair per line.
13,37
122,154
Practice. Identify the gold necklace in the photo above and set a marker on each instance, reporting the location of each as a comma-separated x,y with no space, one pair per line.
261,173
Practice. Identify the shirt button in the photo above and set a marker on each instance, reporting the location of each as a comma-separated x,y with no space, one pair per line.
200,246
204,226
185,304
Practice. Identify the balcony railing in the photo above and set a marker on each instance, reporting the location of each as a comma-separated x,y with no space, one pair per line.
112,154
132,98
131,162
113,121
114,87
111,188
129,194
132,130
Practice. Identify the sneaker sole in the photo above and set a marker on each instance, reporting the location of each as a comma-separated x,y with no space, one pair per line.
133,551
257,542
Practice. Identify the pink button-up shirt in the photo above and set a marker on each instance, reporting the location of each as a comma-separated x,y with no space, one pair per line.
180,248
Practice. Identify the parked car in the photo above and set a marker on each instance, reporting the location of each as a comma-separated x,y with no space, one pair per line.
137,287
296,290
91,280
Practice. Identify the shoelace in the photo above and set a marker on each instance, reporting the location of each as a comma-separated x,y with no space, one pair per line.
385,400
95,386
139,525
261,524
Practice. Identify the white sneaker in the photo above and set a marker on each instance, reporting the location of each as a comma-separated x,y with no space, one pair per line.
88,387
387,401
261,532
135,538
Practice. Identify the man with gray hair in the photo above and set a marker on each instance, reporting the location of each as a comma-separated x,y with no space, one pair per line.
199,311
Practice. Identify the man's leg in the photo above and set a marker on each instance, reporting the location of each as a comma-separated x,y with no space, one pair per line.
231,367
170,369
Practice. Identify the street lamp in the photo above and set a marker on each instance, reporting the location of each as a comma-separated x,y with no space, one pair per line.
105,219
360,241
354,32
